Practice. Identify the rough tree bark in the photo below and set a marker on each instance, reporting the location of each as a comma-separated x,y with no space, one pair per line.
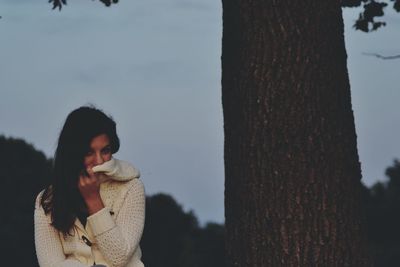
292,188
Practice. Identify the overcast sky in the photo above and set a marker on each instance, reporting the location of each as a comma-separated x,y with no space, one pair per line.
375,92
154,65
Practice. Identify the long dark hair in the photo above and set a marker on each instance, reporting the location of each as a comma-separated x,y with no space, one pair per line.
62,198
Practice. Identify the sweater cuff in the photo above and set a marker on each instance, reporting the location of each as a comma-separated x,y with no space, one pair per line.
101,221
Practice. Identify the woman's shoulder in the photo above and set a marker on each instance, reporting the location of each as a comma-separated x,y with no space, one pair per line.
117,194
114,192
134,185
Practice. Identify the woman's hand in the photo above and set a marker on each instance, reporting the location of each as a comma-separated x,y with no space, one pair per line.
89,187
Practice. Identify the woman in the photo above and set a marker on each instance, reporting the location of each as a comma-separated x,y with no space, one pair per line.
92,214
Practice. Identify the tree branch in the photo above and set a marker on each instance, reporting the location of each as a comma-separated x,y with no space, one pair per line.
381,57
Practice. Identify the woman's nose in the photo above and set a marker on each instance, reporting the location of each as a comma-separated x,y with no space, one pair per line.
99,159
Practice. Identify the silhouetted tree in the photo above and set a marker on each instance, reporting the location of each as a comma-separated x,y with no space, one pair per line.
24,172
172,237
209,246
292,186
383,217
167,231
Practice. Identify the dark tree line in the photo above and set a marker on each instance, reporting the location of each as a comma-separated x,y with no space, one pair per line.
24,171
172,237
382,203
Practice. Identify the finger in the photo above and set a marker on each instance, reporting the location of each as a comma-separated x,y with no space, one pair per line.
92,180
91,173
81,183
82,174
82,180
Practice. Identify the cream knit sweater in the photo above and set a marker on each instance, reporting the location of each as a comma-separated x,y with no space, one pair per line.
111,236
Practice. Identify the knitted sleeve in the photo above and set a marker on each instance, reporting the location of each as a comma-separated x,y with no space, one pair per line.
118,239
47,242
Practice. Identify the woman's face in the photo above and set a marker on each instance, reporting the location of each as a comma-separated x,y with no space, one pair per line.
99,151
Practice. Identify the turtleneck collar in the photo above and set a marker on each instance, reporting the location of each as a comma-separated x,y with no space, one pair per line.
117,170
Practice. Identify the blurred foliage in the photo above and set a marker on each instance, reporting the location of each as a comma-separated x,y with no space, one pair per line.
382,204
366,20
371,9
172,238
24,173
60,3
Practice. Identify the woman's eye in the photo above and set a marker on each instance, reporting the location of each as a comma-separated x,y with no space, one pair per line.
89,153
106,150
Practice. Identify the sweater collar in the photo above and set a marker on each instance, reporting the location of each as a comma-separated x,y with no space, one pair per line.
117,170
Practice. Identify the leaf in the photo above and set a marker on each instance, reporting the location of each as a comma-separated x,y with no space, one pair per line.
58,3
373,9
377,25
106,2
361,24
396,6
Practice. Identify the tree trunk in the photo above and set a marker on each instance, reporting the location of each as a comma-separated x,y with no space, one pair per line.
292,188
